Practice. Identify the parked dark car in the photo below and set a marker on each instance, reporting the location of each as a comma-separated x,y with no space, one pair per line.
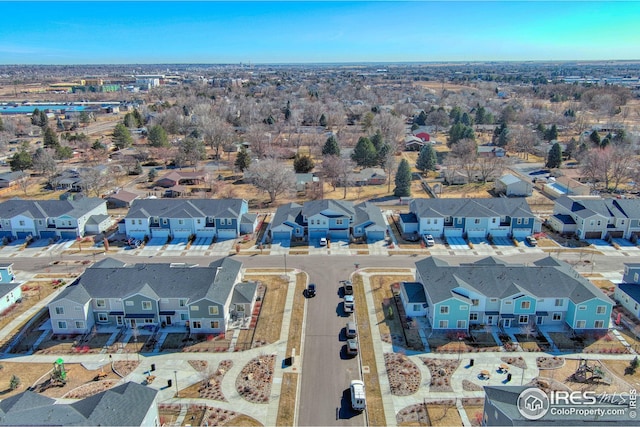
311,290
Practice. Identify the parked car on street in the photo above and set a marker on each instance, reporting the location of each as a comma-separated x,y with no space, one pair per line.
352,347
349,304
311,290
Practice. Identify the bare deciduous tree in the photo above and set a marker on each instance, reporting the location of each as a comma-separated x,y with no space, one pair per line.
269,176
466,151
337,170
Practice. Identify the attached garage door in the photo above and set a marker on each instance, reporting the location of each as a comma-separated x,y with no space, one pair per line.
181,234
281,236
47,234
593,235
316,234
521,233
68,235
453,232
375,236
616,234
23,234
339,235
226,233
160,232
476,233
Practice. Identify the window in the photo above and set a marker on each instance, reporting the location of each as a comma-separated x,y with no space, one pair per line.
519,221
601,309
557,316
102,317
129,303
183,316
311,222
580,324
493,220
494,300
215,324
525,305
416,307
165,221
464,307
79,324
196,325
240,307
444,324
180,221
428,221
194,308
338,222
582,307
476,221
139,222
213,310
462,324
444,309
523,319
636,277
183,302
100,303
148,321
473,317
59,310
598,324
21,223
507,302
198,221
559,302
475,302
62,324
146,305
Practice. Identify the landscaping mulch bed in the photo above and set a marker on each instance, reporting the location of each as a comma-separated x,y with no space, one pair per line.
125,367
471,386
254,381
212,387
549,362
404,375
413,415
518,362
90,389
441,371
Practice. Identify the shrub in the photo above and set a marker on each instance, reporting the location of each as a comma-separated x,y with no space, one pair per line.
14,383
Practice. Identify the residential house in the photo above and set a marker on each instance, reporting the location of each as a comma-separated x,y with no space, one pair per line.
10,290
511,185
492,292
11,179
627,293
115,294
502,408
219,218
332,219
175,177
413,143
305,181
491,151
498,217
368,176
592,217
48,219
424,136
121,199
128,404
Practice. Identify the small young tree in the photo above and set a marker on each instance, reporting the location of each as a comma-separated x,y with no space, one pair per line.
403,180
427,159
50,138
303,163
243,160
554,158
331,147
14,383
151,176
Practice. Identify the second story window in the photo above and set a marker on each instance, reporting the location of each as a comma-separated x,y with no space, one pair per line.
146,305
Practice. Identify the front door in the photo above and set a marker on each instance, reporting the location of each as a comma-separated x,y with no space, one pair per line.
133,323
506,323
539,320
168,321
489,320
119,320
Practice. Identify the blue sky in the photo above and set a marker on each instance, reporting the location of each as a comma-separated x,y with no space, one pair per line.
82,32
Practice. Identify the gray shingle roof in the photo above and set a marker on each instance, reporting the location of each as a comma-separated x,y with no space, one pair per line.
585,207
430,208
631,289
42,209
244,292
6,288
97,219
547,278
124,405
193,208
415,292
314,207
288,213
214,282
370,214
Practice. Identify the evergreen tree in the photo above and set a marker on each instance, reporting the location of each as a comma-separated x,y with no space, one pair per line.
377,140
403,180
551,133
323,120
421,119
21,160
455,114
243,160
44,120
138,118
459,131
364,154
427,159
331,147
1,125
554,158
287,111
158,137
595,138
466,119
121,137
151,176
35,117
303,163
137,169
64,152
50,138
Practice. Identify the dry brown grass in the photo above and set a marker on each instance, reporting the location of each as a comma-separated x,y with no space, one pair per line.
444,415
270,320
287,403
564,373
367,356
618,368
36,290
381,290
243,421
474,413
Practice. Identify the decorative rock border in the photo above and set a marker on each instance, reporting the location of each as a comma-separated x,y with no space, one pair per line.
554,362
90,389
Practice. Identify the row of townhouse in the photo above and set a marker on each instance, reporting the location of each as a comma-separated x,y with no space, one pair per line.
492,292
592,217
627,293
497,217
178,218
53,219
332,219
112,293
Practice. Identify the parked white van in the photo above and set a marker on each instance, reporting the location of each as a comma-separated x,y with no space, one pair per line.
358,398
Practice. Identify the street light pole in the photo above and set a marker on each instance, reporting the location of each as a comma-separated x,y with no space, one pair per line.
175,374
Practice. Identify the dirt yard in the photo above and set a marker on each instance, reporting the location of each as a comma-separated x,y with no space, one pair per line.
564,375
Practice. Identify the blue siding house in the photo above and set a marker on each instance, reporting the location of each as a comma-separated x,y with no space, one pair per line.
492,292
